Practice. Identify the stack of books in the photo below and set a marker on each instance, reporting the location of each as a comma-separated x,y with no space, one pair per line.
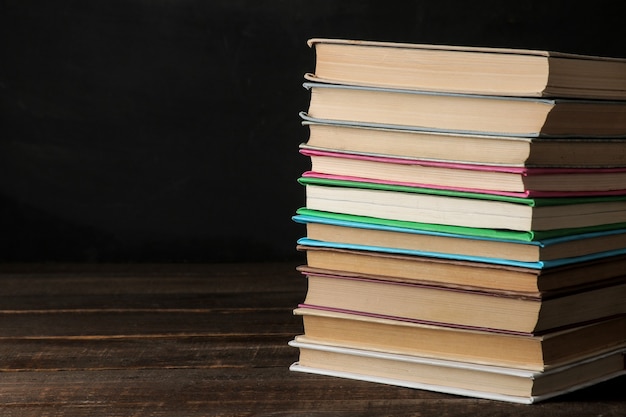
465,219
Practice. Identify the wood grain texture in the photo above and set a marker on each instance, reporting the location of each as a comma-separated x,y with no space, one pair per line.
195,340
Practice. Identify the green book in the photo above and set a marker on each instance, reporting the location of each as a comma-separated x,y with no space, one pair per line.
539,237
534,218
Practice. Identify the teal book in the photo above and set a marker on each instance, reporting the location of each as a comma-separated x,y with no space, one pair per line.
455,256
448,242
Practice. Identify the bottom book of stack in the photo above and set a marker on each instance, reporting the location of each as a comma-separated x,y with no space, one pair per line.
505,366
460,378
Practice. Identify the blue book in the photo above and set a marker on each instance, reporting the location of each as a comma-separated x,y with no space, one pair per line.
343,231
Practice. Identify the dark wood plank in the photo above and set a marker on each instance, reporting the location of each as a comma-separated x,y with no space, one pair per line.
225,391
128,353
45,287
157,322
195,340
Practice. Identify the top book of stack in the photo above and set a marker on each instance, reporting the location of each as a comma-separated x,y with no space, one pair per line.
467,90
468,70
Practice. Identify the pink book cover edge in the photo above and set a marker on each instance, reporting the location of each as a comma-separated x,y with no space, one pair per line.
525,194
458,165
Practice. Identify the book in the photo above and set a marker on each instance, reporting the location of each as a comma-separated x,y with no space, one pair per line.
520,181
467,148
477,70
470,244
461,273
459,208
471,308
455,377
514,116
534,352
503,234
575,260
465,219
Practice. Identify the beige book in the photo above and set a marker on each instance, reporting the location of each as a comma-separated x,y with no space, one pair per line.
467,148
534,352
472,308
475,70
454,377
464,113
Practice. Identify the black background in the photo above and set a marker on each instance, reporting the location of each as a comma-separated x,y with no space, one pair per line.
168,130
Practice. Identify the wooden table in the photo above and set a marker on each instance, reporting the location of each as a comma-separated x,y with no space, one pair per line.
195,340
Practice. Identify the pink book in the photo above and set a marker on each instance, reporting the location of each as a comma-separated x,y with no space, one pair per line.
447,175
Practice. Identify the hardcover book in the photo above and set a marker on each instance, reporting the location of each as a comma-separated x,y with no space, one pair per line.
517,181
392,335
464,113
454,377
465,307
466,148
457,208
458,273
495,245
463,69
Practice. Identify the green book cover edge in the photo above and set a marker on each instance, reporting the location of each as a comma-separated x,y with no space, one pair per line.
501,234
532,202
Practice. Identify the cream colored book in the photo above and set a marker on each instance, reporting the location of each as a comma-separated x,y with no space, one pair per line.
471,308
465,69
467,148
534,352
445,207
454,377
517,181
453,272
467,113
